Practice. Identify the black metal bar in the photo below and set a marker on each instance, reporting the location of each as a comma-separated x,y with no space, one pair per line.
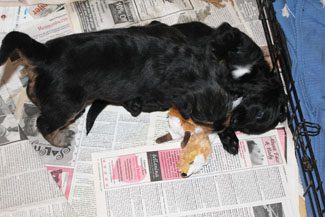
301,129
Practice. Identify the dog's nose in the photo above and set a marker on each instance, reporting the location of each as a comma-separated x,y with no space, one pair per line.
184,175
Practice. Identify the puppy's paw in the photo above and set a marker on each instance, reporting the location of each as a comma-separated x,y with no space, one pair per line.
229,141
136,110
68,136
232,147
61,138
134,107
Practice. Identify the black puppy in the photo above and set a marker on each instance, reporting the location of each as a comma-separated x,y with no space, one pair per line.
263,103
135,106
117,66
248,76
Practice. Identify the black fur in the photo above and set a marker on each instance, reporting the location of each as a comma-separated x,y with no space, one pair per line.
96,108
117,66
264,102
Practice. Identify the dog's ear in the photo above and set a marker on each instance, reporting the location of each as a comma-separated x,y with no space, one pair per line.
224,39
223,27
184,104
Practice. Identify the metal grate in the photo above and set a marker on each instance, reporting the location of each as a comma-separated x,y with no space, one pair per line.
302,130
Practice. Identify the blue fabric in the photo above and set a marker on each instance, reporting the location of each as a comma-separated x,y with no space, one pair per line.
305,33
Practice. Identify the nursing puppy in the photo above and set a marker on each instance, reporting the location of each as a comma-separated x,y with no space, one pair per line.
117,66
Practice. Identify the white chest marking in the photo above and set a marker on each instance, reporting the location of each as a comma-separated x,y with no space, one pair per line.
236,102
240,71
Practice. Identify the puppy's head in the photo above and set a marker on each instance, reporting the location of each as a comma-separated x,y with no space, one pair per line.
239,53
261,110
234,46
206,104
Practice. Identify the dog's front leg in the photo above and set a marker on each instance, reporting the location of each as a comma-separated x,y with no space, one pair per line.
229,140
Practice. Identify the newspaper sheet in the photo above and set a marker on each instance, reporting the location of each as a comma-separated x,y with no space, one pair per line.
115,129
13,3
27,189
145,181
96,15
13,18
14,81
13,97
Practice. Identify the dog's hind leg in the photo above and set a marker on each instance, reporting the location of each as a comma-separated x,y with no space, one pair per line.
54,120
133,106
53,131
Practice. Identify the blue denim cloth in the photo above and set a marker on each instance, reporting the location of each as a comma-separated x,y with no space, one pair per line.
305,33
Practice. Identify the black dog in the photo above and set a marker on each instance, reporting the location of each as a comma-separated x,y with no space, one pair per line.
117,66
263,103
248,76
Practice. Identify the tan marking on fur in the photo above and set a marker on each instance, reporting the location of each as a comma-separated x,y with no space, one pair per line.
58,137
54,138
227,121
29,71
31,85
70,121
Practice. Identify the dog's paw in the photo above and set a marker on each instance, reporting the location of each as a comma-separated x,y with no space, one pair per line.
61,138
232,147
136,110
229,141
134,107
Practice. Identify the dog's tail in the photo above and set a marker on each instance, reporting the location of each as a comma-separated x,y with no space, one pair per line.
30,48
95,109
